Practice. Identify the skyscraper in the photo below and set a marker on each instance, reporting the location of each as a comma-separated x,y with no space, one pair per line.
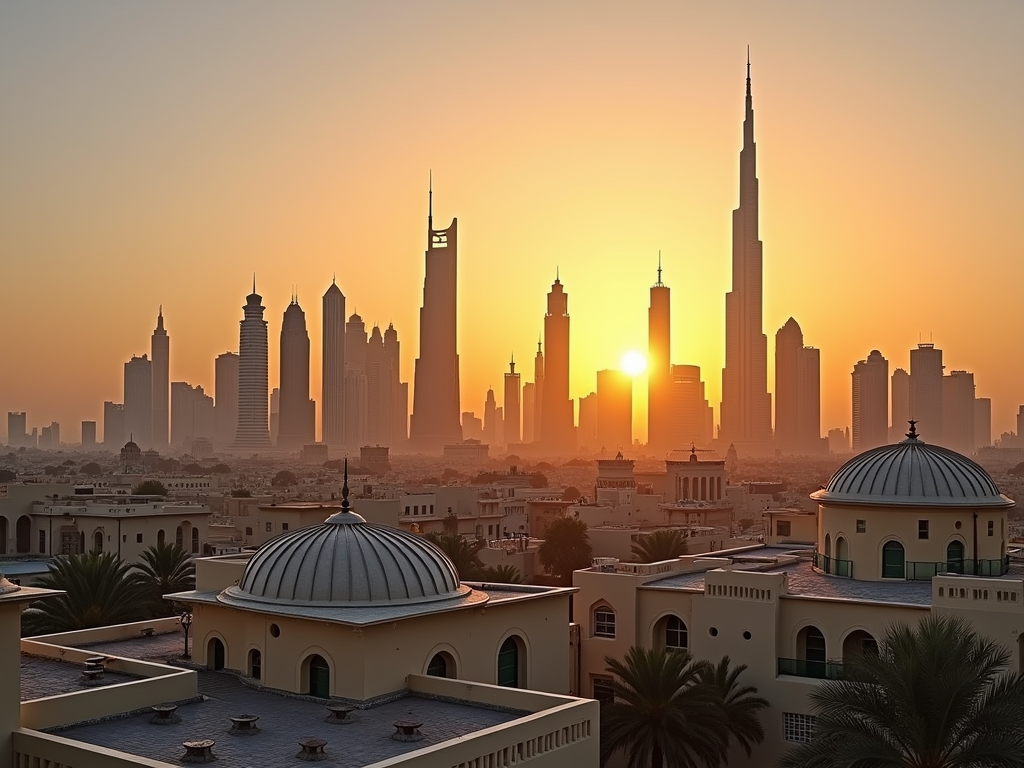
614,411
332,400
900,386
982,422
380,391
399,390
587,431
529,405
192,415
160,355
691,417
926,391
225,390
746,411
252,431
17,434
511,405
113,425
870,382
297,423
138,401
491,433
355,383
538,395
797,392
435,412
958,412
88,434
557,434
659,367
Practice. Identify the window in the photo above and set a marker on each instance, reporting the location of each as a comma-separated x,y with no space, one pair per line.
991,527
604,622
42,542
248,531
407,509
922,529
603,690
284,526
675,633
799,728
138,538
782,527
270,527
862,526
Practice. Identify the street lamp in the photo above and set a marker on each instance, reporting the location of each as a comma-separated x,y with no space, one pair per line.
186,623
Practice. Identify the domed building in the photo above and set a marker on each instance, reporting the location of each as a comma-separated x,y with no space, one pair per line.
348,609
900,532
911,511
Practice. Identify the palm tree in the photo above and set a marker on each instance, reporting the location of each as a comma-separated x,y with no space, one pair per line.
740,704
462,553
664,544
566,547
662,716
937,695
501,574
99,590
166,568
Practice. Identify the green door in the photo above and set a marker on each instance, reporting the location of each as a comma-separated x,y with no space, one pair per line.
955,557
508,664
893,561
319,678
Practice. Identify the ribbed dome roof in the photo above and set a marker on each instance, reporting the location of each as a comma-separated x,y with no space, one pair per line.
347,561
912,473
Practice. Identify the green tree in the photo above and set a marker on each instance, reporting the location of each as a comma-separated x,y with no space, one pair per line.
937,695
150,488
664,544
740,704
662,715
100,589
284,478
566,548
166,568
501,574
92,469
462,553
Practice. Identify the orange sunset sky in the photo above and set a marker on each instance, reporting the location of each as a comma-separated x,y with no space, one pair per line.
161,153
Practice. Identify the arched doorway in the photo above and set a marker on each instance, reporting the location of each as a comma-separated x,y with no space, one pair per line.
160,537
97,542
810,646
3,536
893,561
441,665
319,677
510,663
255,664
23,533
955,556
215,654
858,643
828,554
842,557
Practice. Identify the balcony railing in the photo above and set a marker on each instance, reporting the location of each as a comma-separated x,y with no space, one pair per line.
833,566
818,670
925,571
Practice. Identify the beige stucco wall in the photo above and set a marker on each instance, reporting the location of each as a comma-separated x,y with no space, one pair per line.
901,524
374,660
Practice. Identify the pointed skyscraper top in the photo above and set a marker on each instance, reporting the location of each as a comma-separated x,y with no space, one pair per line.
160,318
659,283
512,364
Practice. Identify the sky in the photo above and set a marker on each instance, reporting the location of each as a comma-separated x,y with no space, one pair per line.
160,154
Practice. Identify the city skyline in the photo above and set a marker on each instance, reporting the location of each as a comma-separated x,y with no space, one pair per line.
859,163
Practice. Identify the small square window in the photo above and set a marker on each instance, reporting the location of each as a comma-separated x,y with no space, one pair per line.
270,527
248,531
922,529
798,728
862,526
138,538
284,526
782,528
991,527
604,622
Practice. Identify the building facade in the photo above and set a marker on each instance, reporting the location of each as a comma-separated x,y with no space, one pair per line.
252,432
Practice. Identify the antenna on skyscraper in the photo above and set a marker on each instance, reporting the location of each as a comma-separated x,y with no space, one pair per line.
659,267
430,198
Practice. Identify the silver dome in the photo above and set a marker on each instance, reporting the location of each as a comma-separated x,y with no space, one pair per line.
912,473
346,561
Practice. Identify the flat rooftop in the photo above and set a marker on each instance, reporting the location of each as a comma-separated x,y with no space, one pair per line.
284,720
804,581
41,677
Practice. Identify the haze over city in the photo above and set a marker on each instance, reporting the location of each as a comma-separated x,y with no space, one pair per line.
159,156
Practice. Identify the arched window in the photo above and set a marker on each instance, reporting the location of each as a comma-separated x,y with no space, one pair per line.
319,677
842,549
955,556
255,664
893,561
97,542
3,535
511,663
675,633
195,541
604,621
441,665
810,646
857,643
160,537
179,538
23,533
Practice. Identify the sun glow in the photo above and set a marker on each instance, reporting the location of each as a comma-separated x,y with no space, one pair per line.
633,363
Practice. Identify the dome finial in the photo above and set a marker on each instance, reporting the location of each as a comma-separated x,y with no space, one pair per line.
912,434
344,490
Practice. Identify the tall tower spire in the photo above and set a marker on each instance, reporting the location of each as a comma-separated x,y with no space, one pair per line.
430,198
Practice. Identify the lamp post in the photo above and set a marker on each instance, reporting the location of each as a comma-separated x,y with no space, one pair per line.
186,623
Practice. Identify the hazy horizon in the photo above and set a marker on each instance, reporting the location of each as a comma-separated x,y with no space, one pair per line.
160,155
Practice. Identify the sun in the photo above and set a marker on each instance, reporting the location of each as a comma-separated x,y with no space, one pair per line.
633,363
